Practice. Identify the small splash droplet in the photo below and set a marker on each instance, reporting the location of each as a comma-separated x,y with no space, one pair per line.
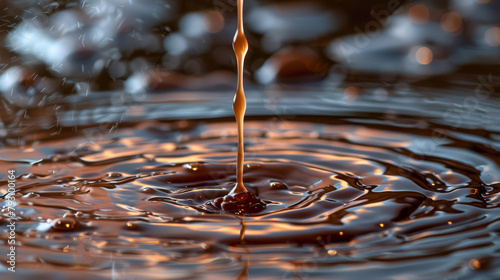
31,195
69,215
252,165
148,190
193,166
114,175
332,252
79,214
66,223
206,246
275,185
30,176
132,226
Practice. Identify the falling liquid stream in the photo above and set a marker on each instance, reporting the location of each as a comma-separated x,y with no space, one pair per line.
240,200
240,46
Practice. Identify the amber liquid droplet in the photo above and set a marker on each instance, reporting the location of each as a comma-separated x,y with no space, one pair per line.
240,46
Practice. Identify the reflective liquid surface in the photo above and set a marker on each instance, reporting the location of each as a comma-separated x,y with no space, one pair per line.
351,188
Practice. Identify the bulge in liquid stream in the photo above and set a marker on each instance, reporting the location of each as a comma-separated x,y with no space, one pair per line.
240,200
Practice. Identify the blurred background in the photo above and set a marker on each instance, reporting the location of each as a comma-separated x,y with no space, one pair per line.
50,49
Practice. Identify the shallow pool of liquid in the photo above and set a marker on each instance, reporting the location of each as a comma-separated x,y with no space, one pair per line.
396,185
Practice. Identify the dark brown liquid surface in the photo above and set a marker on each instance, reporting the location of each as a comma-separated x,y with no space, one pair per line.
342,196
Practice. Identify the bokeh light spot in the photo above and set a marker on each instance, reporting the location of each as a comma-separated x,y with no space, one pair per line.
213,22
419,14
424,55
451,22
492,36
